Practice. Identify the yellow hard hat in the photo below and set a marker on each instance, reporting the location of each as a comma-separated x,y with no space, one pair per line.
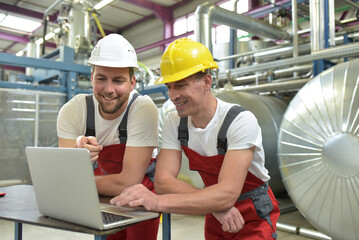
182,58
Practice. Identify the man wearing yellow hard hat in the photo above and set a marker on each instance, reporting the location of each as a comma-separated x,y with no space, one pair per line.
222,141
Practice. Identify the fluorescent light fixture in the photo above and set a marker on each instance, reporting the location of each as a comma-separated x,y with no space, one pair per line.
39,41
49,35
21,24
20,53
2,16
101,4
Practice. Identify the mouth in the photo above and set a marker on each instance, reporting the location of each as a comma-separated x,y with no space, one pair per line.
108,98
180,104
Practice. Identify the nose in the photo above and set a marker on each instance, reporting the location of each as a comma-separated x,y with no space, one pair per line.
172,94
109,87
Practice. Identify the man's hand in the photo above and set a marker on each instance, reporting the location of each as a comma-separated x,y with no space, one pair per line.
231,220
135,196
91,144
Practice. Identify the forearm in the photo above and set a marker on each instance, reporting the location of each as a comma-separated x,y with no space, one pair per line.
111,185
202,201
173,185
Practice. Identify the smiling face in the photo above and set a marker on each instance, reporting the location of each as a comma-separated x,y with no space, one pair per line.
190,94
112,87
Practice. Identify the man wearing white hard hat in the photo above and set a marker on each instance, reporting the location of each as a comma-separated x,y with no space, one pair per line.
117,125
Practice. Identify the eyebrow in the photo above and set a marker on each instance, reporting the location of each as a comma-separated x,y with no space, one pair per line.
116,77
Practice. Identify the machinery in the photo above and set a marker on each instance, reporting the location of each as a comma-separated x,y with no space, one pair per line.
300,82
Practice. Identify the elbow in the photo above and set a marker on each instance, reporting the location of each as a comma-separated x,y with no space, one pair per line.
159,186
229,199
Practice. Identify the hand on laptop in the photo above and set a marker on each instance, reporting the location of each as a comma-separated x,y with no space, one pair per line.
135,196
91,144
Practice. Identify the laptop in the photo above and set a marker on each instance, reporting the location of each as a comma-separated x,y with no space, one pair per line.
65,189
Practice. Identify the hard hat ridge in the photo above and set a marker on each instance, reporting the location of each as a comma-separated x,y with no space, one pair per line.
113,51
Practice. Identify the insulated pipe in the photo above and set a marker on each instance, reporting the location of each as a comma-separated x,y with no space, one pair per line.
277,86
302,231
280,73
350,49
206,14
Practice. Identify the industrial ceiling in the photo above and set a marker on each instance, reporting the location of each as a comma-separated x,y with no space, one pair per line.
115,17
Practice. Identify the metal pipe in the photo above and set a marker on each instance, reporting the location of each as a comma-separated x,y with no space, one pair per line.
51,7
352,4
277,73
206,14
275,86
295,32
302,231
346,50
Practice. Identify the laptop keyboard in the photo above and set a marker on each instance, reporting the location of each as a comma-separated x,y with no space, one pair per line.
111,218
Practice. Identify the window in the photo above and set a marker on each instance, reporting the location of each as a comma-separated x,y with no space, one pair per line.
220,33
184,25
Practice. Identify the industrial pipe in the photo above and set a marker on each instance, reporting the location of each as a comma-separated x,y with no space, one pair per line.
278,86
206,14
302,231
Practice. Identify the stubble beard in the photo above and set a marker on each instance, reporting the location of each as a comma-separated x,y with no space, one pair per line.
111,110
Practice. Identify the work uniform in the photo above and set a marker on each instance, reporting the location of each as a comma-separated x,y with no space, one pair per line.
240,130
141,120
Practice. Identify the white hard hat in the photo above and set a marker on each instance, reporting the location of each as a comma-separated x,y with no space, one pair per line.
113,51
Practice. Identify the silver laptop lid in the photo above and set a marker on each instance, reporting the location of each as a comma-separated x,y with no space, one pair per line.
64,184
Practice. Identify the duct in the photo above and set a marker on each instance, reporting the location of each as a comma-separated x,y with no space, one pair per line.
302,231
206,14
318,148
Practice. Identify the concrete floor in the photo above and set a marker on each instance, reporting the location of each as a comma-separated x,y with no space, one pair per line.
183,227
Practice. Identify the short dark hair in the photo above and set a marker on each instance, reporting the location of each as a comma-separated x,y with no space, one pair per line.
201,74
131,70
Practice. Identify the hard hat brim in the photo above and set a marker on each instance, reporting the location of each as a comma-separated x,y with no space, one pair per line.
183,74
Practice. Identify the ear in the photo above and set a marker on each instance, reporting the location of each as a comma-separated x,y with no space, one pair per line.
133,82
207,79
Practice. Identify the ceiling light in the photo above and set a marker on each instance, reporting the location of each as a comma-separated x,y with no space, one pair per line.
25,25
101,4
20,53
2,16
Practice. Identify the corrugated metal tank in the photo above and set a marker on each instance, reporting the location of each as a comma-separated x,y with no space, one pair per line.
269,112
319,151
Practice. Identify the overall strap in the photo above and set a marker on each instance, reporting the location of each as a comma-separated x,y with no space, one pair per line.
222,134
122,129
90,121
183,131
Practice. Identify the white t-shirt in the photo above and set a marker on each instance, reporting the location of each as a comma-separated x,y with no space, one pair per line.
243,133
142,123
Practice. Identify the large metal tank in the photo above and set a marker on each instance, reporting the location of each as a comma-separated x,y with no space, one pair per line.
268,111
318,150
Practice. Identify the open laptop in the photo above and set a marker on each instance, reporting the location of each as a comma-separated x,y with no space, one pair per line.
65,189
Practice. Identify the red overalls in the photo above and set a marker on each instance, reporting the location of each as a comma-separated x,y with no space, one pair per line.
110,162
256,203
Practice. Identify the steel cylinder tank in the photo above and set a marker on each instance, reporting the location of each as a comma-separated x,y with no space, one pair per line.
318,150
269,112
